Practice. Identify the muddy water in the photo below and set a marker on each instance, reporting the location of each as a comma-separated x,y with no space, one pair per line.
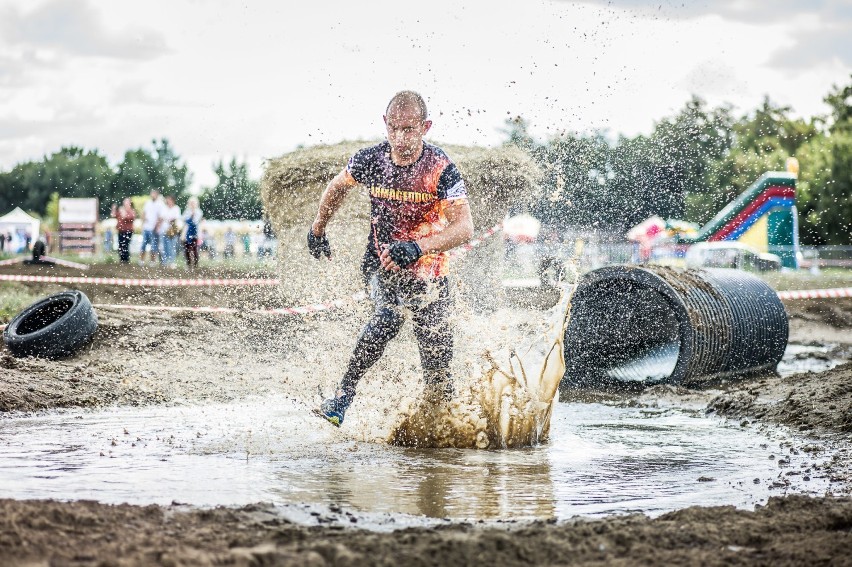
601,459
508,402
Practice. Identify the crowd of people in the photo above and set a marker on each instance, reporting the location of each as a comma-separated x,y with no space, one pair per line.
167,232
164,228
11,243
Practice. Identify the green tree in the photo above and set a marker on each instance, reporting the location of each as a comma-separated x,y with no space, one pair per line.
825,181
761,141
70,172
51,213
142,170
235,195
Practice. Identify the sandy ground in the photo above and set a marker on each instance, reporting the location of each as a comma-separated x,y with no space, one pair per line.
141,358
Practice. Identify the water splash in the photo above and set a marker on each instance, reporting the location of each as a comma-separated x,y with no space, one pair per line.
508,404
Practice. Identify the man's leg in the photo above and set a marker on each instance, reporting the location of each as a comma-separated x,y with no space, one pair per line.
155,246
146,241
384,325
435,338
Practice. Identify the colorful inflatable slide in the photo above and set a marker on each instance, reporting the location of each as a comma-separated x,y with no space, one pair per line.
763,216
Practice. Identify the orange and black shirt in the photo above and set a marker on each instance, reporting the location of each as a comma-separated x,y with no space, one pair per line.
408,202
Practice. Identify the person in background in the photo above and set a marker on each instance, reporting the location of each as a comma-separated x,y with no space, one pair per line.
152,218
266,248
170,233
124,217
246,242
108,236
2,242
206,243
191,219
230,243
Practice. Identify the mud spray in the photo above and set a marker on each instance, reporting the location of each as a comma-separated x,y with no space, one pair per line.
506,368
507,398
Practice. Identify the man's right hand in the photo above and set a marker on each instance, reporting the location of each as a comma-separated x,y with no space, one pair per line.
318,245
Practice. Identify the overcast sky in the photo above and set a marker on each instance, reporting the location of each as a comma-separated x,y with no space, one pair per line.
255,79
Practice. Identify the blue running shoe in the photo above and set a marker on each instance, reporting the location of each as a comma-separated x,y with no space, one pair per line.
333,410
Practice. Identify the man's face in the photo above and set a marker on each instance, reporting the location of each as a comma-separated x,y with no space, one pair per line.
169,201
126,202
154,195
406,128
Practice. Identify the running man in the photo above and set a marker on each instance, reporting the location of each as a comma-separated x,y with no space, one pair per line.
419,210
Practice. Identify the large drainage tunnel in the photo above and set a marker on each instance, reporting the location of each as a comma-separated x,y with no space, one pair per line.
661,324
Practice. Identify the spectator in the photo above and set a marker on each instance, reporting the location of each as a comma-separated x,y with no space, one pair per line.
191,218
170,233
266,248
108,240
124,216
2,242
208,243
152,218
230,243
246,242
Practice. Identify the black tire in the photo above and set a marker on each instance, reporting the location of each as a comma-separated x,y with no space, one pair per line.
56,326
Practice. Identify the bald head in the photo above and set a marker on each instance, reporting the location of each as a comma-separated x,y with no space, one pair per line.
408,99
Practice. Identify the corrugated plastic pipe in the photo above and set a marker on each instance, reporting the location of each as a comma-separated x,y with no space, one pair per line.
661,324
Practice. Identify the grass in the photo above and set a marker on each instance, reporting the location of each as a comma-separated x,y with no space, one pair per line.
13,298
803,279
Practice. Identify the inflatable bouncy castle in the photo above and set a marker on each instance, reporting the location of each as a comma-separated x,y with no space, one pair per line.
763,216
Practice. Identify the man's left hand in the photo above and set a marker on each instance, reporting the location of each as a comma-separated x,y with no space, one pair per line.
400,254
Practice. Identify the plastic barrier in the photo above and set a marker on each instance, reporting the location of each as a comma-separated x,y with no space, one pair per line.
660,324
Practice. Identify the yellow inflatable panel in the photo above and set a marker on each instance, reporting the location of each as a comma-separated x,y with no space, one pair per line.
757,236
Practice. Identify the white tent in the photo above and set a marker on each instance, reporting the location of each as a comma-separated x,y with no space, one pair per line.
19,224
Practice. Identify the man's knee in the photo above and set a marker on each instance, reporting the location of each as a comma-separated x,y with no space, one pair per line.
384,325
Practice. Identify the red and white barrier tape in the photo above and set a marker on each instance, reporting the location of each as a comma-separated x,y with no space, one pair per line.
159,282
177,282
473,243
360,296
301,310
816,293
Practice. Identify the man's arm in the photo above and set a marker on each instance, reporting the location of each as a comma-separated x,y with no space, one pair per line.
459,230
331,200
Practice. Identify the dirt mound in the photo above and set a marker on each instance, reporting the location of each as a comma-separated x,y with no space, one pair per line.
793,530
836,312
803,401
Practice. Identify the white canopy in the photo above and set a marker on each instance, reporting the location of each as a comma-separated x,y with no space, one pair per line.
522,228
18,220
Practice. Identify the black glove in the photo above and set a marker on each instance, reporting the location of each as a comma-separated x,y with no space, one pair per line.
405,253
318,245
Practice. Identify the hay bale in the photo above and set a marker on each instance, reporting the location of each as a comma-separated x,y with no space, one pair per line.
496,179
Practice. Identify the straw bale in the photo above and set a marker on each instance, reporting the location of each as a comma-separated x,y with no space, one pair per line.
496,178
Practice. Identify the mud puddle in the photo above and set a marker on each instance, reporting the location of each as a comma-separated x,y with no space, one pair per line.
812,357
602,459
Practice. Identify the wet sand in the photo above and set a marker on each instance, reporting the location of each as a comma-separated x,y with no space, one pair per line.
141,358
